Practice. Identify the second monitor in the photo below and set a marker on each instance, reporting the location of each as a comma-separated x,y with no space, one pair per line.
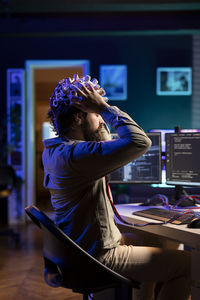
183,159
145,169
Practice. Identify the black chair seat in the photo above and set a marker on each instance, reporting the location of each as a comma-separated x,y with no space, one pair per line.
68,265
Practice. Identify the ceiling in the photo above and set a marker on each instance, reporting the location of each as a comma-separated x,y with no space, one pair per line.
67,6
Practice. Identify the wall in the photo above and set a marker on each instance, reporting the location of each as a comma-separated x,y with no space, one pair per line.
142,54
130,38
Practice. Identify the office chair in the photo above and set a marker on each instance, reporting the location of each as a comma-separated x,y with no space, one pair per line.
68,265
8,181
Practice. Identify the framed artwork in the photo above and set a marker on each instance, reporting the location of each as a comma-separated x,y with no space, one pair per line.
113,78
16,79
174,81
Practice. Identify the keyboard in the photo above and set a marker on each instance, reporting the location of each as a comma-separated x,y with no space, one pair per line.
164,215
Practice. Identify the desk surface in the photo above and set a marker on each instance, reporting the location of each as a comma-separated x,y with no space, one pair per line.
179,233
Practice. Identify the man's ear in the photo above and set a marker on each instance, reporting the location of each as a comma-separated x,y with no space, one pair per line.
79,117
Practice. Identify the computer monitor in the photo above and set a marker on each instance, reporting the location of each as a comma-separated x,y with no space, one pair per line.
164,131
47,131
145,169
183,159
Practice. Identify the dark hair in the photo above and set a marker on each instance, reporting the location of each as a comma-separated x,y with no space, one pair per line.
62,118
61,112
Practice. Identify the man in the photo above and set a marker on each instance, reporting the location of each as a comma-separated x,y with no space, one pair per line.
76,164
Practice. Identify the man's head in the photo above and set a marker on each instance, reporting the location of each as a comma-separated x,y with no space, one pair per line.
91,127
69,121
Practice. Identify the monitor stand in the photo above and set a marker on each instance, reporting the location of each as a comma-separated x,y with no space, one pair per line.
178,190
178,194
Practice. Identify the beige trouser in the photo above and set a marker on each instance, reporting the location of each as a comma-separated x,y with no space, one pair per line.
150,265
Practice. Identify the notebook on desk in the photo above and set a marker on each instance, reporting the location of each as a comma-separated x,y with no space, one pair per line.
164,215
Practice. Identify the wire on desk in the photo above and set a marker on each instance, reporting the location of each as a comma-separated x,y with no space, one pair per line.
176,217
165,203
179,214
162,197
195,198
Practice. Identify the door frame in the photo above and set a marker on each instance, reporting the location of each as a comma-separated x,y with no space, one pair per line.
30,141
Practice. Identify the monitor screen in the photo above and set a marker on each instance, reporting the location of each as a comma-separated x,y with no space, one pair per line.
47,131
145,169
183,159
164,131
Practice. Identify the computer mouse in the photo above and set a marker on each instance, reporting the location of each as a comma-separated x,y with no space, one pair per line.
195,223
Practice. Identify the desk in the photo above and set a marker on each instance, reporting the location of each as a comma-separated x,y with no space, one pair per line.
179,233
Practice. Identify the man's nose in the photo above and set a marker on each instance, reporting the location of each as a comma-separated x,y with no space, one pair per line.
101,121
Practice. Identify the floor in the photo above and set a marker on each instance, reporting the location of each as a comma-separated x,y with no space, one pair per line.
21,269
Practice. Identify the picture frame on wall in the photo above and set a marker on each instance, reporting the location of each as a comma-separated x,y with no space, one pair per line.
174,81
113,78
16,80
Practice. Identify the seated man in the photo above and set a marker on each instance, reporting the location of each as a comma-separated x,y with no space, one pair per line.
76,165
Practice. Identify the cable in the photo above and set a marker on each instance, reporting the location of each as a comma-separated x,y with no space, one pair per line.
179,214
162,197
194,198
186,194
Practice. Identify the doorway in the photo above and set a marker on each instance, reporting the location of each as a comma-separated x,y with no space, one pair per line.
42,77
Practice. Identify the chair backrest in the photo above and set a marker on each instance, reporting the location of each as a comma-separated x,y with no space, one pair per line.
79,270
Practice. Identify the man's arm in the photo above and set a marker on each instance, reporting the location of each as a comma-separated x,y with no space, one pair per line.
96,159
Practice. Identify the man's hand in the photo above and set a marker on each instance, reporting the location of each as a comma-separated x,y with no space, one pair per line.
90,100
